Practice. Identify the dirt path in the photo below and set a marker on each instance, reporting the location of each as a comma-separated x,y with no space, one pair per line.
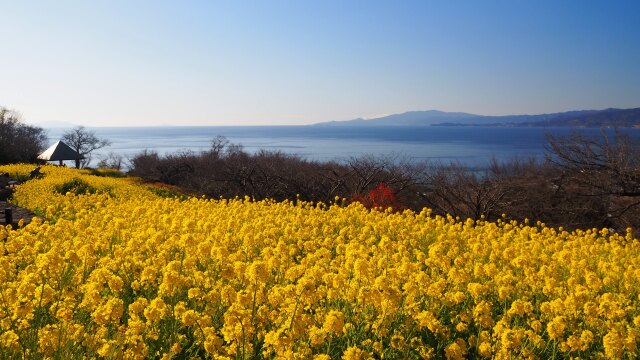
18,213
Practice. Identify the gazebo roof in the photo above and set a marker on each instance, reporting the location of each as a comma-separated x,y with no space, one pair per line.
60,151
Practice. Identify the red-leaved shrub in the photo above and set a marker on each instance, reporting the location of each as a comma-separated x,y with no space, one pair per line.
381,197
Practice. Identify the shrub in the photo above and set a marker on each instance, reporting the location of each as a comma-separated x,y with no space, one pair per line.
75,186
113,173
381,197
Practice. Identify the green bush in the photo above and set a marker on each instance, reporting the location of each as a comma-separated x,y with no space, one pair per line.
76,186
165,192
113,173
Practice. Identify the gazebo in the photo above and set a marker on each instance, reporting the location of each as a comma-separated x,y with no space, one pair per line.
60,152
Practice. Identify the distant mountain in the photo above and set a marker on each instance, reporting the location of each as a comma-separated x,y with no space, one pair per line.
411,118
584,118
602,118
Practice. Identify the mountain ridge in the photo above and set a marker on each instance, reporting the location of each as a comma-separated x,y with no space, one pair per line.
610,117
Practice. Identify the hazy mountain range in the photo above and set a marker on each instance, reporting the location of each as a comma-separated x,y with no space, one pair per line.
583,118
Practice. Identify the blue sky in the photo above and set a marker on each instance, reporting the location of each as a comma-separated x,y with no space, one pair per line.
115,63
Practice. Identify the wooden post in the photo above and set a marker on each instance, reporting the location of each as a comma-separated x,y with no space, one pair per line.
8,216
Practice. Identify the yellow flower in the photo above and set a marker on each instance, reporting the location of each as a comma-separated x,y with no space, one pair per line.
397,341
257,272
9,340
484,349
613,344
189,317
138,306
334,322
354,353
556,327
456,350
156,310
109,312
194,293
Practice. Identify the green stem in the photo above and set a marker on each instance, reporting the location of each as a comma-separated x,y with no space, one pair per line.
295,309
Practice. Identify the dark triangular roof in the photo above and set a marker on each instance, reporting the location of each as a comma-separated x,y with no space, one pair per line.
60,151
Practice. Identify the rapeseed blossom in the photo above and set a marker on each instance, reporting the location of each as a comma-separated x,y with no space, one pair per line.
120,272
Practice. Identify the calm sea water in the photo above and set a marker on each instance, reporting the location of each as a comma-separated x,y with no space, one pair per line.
473,146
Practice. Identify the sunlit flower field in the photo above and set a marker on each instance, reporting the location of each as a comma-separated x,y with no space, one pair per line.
121,272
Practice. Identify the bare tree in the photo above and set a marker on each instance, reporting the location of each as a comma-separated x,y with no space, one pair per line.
454,189
19,142
605,168
112,161
218,144
84,142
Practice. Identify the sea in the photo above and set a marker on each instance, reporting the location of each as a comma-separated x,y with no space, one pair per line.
471,146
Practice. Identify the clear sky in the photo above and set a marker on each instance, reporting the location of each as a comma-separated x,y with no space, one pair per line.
114,63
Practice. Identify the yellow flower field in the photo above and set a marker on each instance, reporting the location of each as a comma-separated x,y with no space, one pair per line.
123,273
